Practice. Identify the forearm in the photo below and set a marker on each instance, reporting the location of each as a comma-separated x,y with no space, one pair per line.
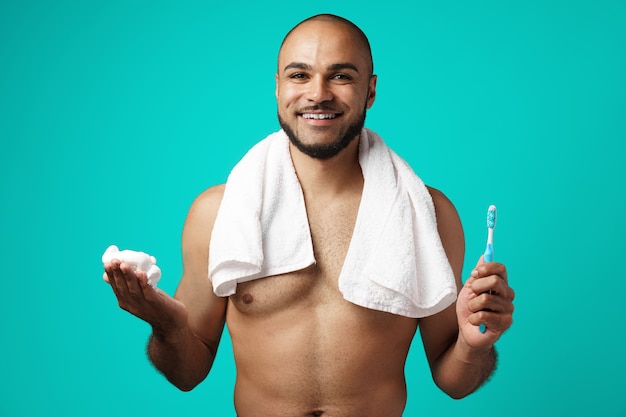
180,356
462,370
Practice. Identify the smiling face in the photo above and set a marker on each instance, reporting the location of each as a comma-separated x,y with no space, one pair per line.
323,87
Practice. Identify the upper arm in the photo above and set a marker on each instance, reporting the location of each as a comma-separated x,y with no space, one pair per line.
439,331
206,311
450,231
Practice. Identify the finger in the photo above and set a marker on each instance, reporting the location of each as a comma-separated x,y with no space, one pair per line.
493,321
141,290
137,283
485,284
481,261
149,292
109,270
132,279
492,303
490,268
119,279
503,290
482,302
492,284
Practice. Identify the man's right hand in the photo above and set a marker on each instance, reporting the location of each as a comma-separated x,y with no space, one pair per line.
136,296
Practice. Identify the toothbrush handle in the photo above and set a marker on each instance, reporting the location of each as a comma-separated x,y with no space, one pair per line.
488,258
489,253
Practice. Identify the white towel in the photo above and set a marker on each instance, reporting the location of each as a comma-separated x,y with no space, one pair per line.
395,262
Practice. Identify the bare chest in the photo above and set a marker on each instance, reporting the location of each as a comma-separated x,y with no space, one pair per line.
332,226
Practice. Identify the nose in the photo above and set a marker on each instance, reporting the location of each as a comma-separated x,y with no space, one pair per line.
318,90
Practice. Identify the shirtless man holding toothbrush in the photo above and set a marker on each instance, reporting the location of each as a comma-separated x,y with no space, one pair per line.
324,356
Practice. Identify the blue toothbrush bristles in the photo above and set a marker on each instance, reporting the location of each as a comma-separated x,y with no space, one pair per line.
491,217
491,224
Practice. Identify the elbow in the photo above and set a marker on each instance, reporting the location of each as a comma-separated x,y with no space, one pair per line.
455,393
185,367
184,386
459,387
185,382
465,378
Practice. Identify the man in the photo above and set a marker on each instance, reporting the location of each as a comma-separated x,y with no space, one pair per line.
300,347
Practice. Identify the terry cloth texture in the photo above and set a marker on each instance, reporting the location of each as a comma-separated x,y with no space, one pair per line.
395,262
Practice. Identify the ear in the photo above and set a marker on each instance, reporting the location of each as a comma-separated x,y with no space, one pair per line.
371,94
276,90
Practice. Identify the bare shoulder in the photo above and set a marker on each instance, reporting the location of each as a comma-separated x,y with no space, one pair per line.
206,310
444,208
198,228
201,217
442,203
440,330
204,208
450,229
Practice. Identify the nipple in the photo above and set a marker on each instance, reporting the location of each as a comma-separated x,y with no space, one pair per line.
247,298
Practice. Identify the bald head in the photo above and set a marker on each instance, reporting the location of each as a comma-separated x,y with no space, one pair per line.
358,37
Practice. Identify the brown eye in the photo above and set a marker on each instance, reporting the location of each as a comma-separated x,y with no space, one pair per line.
341,78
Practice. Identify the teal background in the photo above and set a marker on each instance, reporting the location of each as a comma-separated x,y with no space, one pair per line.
114,115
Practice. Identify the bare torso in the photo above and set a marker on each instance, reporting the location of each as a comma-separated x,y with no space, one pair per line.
302,350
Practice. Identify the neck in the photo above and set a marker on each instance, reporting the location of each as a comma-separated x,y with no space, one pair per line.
329,177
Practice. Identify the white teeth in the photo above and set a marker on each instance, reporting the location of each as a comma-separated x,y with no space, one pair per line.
318,116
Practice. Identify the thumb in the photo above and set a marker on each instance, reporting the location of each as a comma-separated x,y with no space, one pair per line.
481,261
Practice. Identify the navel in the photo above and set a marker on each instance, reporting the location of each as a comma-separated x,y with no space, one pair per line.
247,298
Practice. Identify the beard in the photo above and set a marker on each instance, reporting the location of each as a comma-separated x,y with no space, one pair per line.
325,150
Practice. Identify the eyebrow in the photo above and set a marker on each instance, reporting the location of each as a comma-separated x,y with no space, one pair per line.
333,67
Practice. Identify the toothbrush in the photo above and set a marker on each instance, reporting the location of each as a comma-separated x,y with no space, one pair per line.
491,224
